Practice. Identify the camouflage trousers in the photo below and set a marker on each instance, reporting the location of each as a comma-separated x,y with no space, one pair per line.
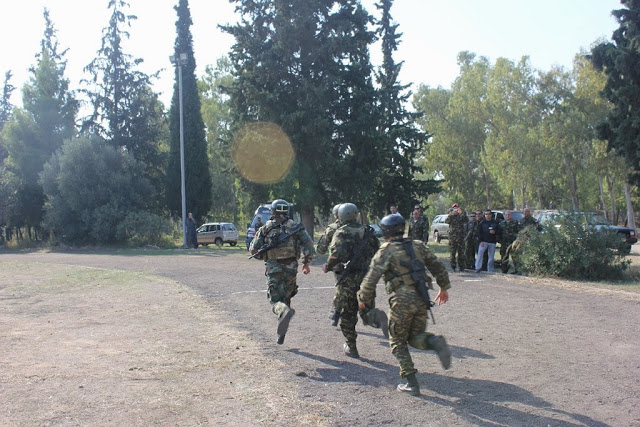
470,251
346,303
281,284
407,326
456,252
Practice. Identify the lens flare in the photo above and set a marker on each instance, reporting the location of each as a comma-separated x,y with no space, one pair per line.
262,152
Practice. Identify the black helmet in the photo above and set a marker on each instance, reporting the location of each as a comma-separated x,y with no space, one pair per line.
392,225
347,212
280,206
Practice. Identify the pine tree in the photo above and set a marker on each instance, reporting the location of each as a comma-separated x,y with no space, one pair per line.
38,130
5,102
197,177
620,60
305,67
126,112
402,139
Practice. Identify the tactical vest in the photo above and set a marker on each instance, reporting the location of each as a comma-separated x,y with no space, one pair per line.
288,249
400,273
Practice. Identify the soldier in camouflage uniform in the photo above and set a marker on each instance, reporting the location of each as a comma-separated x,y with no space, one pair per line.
509,228
402,263
527,219
471,242
419,225
281,262
321,247
353,244
457,220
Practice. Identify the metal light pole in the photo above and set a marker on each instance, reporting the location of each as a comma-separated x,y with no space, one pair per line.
179,62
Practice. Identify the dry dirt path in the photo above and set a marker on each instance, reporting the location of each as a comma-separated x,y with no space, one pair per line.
198,348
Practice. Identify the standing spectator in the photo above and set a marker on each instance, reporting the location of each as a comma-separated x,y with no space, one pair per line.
258,224
487,237
509,228
527,219
471,242
419,225
393,208
456,220
192,235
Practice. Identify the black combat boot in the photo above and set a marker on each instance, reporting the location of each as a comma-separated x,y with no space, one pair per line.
412,387
335,316
351,350
439,345
283,323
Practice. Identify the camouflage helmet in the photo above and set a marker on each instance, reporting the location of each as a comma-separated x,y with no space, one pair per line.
347,212
280,206
392,225
335,209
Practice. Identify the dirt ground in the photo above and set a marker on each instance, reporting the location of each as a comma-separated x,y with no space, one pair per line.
187,338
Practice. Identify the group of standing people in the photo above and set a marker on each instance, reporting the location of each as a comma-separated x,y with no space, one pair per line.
473,236
358,261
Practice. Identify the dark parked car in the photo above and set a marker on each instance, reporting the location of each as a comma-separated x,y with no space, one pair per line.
593,220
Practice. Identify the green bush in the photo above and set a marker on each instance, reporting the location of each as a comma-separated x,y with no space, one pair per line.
569,249
144,228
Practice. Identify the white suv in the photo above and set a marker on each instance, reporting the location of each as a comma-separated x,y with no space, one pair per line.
218,233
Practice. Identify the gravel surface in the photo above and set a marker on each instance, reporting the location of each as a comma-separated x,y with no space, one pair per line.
188,338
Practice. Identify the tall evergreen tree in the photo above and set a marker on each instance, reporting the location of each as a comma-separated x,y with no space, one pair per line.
403,140
301,65
38,130
620,60
126,112
5,102
197,177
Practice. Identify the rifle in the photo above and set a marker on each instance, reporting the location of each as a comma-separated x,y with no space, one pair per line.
419,274
278,240
356,254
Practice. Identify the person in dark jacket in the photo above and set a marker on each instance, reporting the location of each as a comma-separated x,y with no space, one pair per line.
487,238
192,234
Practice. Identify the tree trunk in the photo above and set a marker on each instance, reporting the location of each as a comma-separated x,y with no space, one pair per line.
307,219
631,214
573,185
602,201
612,200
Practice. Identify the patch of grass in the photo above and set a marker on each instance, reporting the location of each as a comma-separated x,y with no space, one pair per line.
440,249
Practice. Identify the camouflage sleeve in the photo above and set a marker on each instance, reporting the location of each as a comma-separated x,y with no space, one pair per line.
325,240
435,267
448,219
338,250
379,264
306,243
425,233
257,242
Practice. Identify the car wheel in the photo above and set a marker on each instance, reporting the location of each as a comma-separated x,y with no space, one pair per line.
436,236
233,243
218,241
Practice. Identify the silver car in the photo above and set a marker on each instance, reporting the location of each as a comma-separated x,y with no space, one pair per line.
218,233
439,228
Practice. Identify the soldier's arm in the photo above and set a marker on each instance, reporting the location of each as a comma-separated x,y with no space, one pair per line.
306,242
257,242
377,267
436,267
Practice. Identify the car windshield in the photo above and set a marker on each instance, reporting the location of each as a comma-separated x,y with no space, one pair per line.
596,219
